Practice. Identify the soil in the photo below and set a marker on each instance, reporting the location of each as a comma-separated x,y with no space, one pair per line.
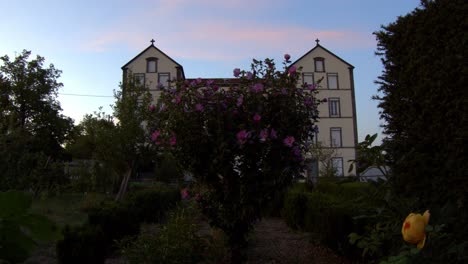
273,242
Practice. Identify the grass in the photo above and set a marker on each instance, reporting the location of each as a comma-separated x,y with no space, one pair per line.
65,208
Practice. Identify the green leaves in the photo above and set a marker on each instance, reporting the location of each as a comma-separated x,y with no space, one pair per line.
21,231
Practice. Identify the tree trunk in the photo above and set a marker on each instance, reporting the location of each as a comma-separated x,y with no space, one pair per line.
124,183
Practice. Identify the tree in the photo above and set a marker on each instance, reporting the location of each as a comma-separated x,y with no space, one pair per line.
324,157
368,155
32,129
243,143
423,101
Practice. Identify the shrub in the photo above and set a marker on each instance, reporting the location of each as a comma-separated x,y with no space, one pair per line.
175,242
111,221
115,220
82,244
295,205
150,205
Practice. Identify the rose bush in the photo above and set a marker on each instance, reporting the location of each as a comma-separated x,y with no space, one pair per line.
242,143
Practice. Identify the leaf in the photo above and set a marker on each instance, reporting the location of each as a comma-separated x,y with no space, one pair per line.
13,203
353,237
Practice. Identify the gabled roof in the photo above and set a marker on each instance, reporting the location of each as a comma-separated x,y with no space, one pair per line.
149,47
331,53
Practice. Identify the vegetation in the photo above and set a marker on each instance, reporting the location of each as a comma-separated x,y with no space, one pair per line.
32,129
242,144
20,230
422,96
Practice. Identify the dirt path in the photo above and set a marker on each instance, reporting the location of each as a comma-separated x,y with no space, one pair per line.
274,242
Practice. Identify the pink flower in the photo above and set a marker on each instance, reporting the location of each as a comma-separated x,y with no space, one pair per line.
177,99
258,87
292,70
240,100
249,76
273,134
209,82
199,107
257,118
199,80
236,72
263,135
155,135
152,107
311,87
288,141
242,136
184,194
287,57
172,140
308,101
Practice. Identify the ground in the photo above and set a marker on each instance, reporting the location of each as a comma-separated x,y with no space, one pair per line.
272,242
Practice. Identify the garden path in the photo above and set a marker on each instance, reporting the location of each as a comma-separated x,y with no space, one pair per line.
274,242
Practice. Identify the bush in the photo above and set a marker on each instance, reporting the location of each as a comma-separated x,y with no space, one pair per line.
150,205
175,242
111,221
327,211
115,220
82,244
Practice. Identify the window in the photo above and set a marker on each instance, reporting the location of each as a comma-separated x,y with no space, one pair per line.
332,80
337,164
152,64
319,64
334,107
163,80
335,137
139,79
308,77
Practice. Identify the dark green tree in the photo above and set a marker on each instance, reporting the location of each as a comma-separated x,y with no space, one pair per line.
423,100
32,128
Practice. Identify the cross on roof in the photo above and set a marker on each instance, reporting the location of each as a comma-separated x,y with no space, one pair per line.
317,40
152,41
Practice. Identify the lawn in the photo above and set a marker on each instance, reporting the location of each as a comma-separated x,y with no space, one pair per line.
66,208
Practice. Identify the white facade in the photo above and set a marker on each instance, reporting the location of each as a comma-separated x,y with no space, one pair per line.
337,123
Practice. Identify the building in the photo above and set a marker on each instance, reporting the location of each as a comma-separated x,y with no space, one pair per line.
337,124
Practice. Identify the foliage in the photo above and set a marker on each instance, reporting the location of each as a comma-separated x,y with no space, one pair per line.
111,221
32,129
21,231
328,211
151,205
421,101
242,142
174,242
82,244
369,155
167,170
421,97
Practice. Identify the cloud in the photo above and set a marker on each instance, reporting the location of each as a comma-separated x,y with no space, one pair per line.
201,31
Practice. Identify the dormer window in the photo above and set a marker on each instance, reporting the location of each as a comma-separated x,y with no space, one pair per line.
151,64
319,64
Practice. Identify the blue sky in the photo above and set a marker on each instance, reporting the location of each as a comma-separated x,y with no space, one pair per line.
90,40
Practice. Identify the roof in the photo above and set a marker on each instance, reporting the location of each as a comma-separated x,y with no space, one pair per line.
149,47
320,46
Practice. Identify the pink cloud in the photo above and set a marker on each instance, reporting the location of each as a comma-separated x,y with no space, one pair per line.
203,36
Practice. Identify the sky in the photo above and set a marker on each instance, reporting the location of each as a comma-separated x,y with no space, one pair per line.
91,40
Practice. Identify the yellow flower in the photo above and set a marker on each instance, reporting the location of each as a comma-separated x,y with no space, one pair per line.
414,228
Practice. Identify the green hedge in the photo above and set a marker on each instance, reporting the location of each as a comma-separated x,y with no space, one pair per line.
327,211
112,221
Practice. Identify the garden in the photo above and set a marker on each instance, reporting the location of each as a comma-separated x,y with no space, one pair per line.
111,190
